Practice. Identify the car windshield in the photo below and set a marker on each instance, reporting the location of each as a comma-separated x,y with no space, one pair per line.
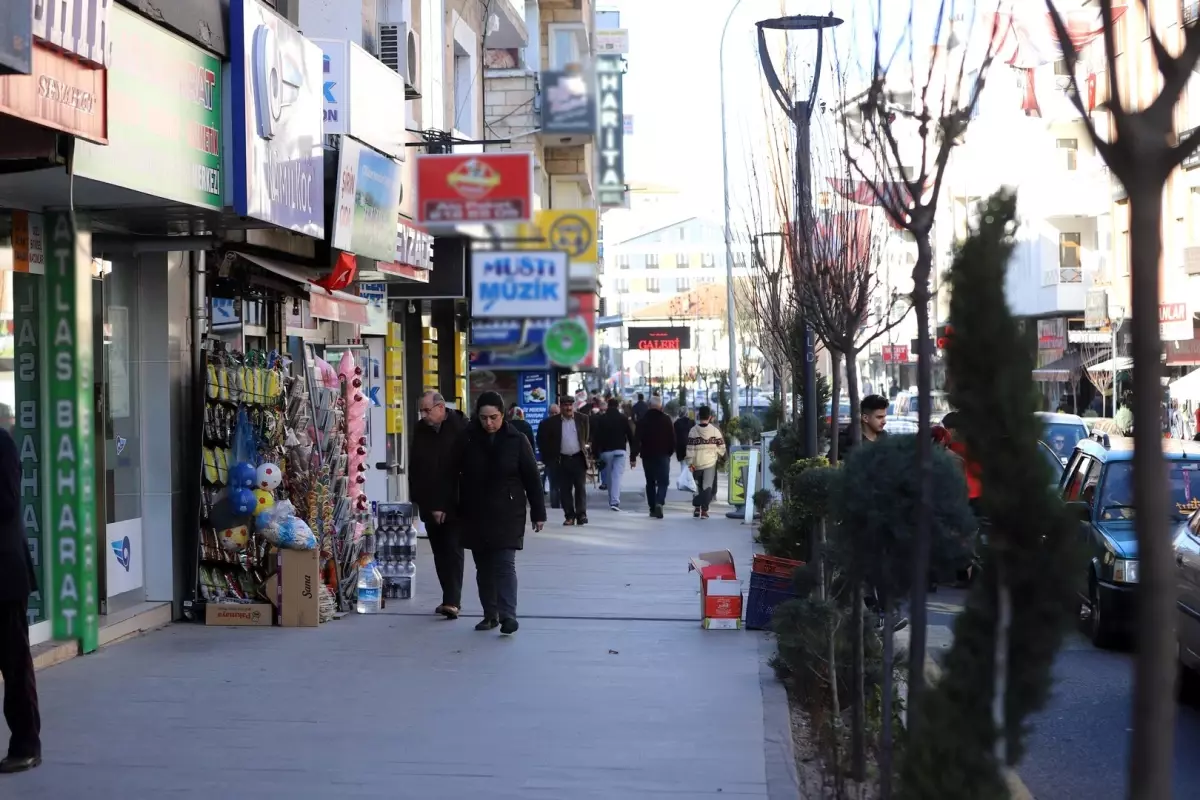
1183,483
1052,459
941,404
1063,436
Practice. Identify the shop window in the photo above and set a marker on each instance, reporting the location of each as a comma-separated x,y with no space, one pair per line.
116,311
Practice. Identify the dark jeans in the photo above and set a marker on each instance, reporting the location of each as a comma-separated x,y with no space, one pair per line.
496,574
20,686
448,560
658,477
552,478
706,484
572,485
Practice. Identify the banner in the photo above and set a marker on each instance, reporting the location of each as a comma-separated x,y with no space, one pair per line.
70,464
28,422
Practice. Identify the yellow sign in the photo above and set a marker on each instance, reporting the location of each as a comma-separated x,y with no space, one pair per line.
569,231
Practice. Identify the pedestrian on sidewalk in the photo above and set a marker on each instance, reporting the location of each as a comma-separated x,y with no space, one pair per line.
705,446
551,468
500,484
564,445
655,438
611,436
17,581
683,427
640,408
516,417
433,486
872,417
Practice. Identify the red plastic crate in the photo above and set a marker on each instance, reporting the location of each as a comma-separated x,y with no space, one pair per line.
773,565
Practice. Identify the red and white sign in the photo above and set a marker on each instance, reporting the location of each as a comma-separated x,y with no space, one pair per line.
1175,322
336,309
414,254
59,93
895,353
475,188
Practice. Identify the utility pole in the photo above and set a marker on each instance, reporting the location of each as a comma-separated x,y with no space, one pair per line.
730,318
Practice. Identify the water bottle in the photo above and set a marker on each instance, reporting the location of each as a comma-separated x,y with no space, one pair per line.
370,588
410,536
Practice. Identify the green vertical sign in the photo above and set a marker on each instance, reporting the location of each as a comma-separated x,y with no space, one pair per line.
27,428
71,512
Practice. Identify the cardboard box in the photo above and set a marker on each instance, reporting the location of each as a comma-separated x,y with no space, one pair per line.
299,588
238,614
720,590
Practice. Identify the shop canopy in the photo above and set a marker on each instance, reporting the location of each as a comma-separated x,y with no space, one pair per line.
1122,363
1187,387
336,306
1061,370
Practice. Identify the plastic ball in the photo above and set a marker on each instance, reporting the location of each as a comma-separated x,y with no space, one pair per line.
268,476
241,475
263,500
235,539
242,501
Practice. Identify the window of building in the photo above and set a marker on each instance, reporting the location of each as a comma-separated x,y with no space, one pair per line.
652,285
652,261
681,260
709,260
465,88
683,234
1068,150
1193,216
568,45
622,285
683,284
1070,257
623,261
707,279
739,259
1060,68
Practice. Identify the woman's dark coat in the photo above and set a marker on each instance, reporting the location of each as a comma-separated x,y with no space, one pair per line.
498,476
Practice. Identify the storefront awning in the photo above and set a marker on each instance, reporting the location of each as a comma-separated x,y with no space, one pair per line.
1123,363
1061,370
322,303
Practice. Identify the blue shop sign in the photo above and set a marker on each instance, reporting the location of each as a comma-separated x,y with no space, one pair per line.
276,171
518,284
507,334
534,399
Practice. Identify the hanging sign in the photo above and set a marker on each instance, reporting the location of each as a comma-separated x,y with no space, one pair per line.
611,186
518,284
478,187
27,425
69,463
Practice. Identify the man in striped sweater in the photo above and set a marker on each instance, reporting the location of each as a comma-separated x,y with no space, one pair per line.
705,446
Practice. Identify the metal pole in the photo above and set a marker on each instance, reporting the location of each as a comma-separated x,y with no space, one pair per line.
730,314
808,370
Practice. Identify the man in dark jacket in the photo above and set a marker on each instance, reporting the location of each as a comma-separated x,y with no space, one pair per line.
683,426
872,417
551,468
640,407
611,434
433,486
563,441
17,581
516,418
656,445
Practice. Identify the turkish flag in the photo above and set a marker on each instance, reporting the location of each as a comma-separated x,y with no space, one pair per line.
342,275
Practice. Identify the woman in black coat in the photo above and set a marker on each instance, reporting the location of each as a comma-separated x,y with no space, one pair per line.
498,481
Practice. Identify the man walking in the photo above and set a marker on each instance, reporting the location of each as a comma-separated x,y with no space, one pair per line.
433,486
705,446
516,418
656,445
872,417
551,467
683,426
17,582
640,407
563,446
611,436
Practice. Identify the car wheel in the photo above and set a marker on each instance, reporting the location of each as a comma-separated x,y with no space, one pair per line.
1100,628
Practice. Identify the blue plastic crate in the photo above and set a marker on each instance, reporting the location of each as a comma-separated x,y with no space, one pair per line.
760,605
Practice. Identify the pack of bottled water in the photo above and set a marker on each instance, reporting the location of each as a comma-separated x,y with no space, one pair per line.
396,549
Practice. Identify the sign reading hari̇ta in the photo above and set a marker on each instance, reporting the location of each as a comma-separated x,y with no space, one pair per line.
481,188
70,484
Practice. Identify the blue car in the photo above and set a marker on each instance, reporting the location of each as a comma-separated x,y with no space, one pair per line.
1097,485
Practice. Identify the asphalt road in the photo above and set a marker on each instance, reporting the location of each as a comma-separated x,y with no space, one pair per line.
1079,746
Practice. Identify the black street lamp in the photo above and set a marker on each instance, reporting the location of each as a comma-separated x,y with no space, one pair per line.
800,112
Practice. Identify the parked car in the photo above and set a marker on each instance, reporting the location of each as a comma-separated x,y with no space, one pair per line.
904,406
1098,486
1062,432
1053,462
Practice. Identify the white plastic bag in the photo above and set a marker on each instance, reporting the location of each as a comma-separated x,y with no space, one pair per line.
686,482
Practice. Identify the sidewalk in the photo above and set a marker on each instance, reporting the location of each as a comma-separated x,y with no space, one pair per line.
610,690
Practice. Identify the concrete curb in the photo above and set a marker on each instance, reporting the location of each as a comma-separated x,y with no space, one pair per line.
779,750
1017,789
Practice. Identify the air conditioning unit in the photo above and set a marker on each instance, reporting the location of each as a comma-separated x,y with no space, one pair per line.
400,49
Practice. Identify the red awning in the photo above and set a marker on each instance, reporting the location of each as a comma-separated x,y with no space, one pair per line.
336,306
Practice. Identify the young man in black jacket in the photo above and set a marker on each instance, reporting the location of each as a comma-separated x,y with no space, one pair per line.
872,417
656,445
611,434
683,426
433,486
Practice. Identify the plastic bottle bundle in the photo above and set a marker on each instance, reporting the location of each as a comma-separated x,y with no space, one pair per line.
356,430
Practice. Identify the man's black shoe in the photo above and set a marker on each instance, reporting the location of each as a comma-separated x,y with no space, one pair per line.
509,626
13,764
582,521
658,512
487,624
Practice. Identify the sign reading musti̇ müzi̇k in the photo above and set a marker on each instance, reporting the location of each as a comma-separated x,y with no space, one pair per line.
518,284
668,338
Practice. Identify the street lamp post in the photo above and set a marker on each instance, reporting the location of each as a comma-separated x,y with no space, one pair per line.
800,112
730,318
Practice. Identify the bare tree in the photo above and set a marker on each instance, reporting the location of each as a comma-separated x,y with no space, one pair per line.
1099,363
1141,148
930,99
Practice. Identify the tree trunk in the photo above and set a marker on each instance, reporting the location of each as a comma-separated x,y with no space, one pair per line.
855,399
858,724
1000,662
922,535
1150,769
835,701
885,733
835,390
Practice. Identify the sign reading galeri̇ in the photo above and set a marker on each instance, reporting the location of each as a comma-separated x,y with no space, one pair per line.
482,187
610,77
676,338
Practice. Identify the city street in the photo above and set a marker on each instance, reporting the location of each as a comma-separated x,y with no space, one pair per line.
609,690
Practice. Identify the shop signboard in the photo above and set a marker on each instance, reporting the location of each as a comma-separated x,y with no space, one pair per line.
70,470
16,39
739,473
610,188
535,398
28,420
1175,322
570,231
568,105
513,344
518,284
660,338
1052,334
164,129
377,313
355,88
277,161
612,42
895,353
478,187
1095,309
78,27
29,241
367,202
60,93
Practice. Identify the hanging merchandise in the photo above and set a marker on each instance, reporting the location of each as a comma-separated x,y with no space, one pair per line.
242,475
268,476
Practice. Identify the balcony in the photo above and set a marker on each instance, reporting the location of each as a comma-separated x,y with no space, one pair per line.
511,31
